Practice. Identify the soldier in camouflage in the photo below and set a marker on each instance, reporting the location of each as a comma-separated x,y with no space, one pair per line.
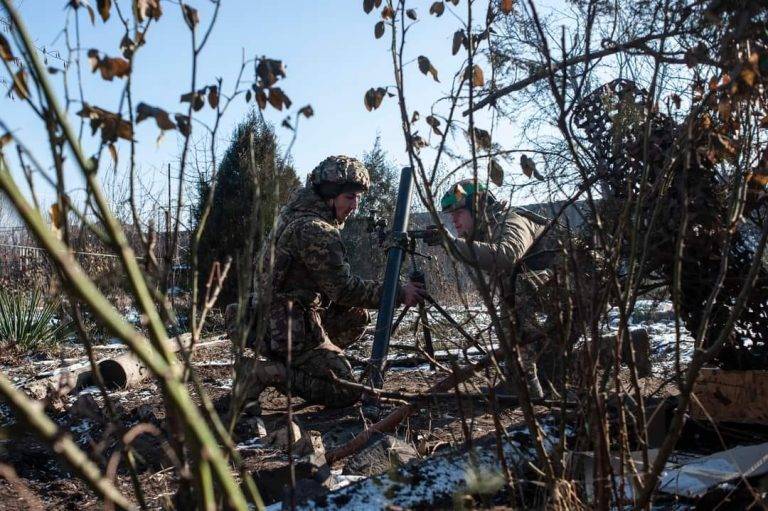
499,241
315,298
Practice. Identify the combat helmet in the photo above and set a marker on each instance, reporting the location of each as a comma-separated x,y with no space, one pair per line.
462,195
339,174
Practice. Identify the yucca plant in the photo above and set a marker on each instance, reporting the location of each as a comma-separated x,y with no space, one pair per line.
29,321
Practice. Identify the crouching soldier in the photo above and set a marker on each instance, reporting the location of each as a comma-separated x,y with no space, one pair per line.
315,298
499,241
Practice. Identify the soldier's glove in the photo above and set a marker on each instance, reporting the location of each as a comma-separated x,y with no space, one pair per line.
432,236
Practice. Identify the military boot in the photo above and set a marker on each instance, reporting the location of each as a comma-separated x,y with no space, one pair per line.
254,376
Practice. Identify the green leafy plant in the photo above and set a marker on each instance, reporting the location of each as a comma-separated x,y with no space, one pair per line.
29,321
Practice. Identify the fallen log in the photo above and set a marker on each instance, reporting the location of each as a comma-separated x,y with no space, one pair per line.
118,372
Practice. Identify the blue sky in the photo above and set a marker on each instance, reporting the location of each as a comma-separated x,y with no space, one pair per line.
331,59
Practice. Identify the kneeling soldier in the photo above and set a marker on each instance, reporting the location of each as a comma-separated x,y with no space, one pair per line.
314,292
498,240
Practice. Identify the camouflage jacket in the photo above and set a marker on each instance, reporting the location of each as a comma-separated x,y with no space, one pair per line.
310,263
505,242
310,269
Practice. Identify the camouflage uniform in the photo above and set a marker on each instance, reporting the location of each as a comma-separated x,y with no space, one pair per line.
506,245
311,272
519,273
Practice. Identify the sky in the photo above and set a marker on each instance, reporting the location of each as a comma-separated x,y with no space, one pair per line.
331,59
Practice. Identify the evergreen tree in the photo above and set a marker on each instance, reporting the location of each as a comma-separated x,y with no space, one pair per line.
365,255
240,177
383,193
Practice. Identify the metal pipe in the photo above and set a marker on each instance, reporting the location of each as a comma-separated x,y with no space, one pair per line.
119,372
395,255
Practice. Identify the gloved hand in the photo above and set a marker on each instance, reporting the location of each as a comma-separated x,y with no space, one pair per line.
432,236
413,293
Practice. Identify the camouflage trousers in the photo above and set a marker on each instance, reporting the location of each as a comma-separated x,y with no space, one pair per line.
534,328
547,321
336,328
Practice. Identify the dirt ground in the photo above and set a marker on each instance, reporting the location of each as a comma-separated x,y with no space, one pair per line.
38,480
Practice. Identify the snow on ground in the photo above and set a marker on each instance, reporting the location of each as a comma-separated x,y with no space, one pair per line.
442,477
657,317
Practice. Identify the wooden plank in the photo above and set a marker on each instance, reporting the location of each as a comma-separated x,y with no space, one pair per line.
731,396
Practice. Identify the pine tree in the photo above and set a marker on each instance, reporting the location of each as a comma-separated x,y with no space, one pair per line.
231,218
365,256
383,194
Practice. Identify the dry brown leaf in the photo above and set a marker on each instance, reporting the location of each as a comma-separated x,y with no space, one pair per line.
261,99
5,140
478,80
434,123
94,59
437,8
128,46
387,13
367,6
425,66
378,30
112,126
163,120
191,17
506,6
57,216
104,7
113,153
213,96
91,14
458,40
411,13
482,138
185,128
529,168
417,142
307,111
496,172
20,84
415,116
248,96
109,67
196,98
374,97
57,219
278,99
147,9
5,49
269,71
